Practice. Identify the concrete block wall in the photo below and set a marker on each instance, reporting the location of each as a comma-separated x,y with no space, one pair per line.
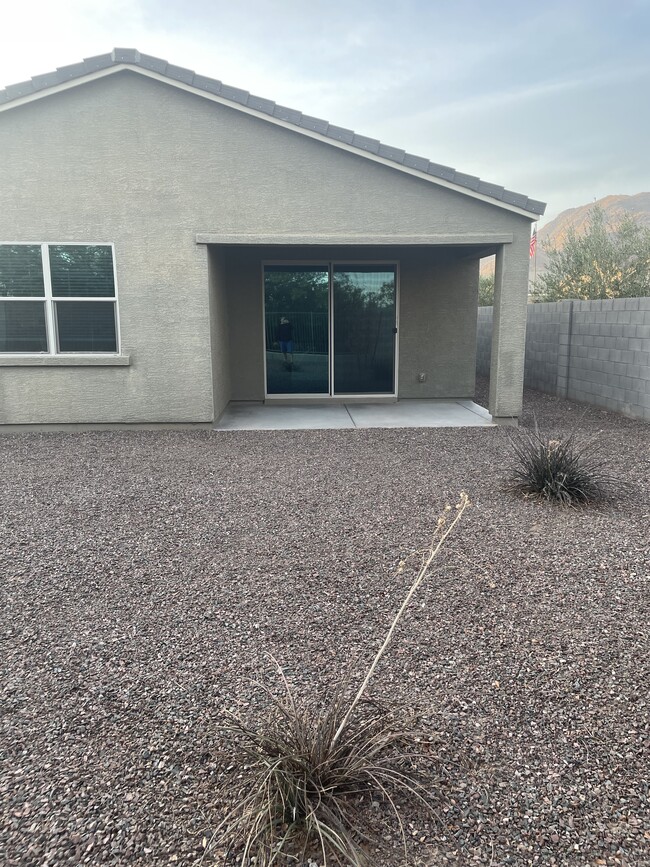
597,352
610,355
546,326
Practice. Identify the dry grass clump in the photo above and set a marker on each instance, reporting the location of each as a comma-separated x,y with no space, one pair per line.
562,471
300,792
305,774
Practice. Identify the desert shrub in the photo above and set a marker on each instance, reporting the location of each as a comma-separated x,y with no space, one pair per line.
298,791
562,471
486,290
303,775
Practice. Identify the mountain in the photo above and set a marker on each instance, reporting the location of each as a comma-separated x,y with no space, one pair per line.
615,208
554,233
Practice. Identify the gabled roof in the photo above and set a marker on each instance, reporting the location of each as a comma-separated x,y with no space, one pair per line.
129,58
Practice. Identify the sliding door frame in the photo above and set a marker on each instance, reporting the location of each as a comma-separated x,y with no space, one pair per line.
330,264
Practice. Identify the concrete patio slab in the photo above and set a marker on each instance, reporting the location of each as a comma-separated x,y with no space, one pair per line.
404,413
420,413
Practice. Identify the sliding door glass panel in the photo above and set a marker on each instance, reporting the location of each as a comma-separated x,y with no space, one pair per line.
363,299
296,319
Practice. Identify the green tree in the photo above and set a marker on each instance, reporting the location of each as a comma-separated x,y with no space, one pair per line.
486,291
601,263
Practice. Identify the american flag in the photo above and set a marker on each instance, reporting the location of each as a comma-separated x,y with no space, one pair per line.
533,242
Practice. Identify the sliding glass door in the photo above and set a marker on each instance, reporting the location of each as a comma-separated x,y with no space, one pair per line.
296,313
363,299
330,329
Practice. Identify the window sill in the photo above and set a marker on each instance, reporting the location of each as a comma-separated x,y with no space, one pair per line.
71,360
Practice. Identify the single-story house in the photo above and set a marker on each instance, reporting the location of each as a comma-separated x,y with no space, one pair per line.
169,244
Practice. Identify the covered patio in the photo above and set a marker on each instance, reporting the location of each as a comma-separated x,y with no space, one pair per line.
406,335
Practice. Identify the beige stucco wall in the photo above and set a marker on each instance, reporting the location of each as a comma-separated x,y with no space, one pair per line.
219,331
509,330
439,299
141,164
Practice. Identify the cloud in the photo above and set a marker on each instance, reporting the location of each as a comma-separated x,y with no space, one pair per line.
527,93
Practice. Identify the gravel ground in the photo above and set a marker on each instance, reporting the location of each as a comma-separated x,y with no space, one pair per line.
144,575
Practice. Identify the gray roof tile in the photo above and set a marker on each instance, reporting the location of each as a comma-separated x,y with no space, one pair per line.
14,91
289,114
517,199
535,206
179,73
100,61
440,171
390,153
421,164
235,94
340,133
314,123
155,64
48,79
126,55
493,190
261,104
366,144
209,84
65,73
469,181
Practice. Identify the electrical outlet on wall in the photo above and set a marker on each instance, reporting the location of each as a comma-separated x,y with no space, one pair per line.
422,377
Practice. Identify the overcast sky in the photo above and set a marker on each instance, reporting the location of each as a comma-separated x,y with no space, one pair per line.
551,99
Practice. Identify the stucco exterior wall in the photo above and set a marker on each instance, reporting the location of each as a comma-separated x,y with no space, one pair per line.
165,332
439,292
219,331
509,330
245,306
143,165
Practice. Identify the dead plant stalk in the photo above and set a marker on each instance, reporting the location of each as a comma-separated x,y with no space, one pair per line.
443,529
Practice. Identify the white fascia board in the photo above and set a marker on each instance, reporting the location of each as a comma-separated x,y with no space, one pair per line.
213,97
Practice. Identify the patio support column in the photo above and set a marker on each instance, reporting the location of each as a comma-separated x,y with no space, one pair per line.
509,330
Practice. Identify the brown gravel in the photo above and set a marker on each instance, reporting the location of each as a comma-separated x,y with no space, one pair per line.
145,574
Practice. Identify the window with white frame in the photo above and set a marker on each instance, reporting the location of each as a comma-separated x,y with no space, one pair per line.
57,299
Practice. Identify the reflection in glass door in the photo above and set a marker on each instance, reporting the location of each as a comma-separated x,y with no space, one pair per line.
330,329
296,316
363,299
